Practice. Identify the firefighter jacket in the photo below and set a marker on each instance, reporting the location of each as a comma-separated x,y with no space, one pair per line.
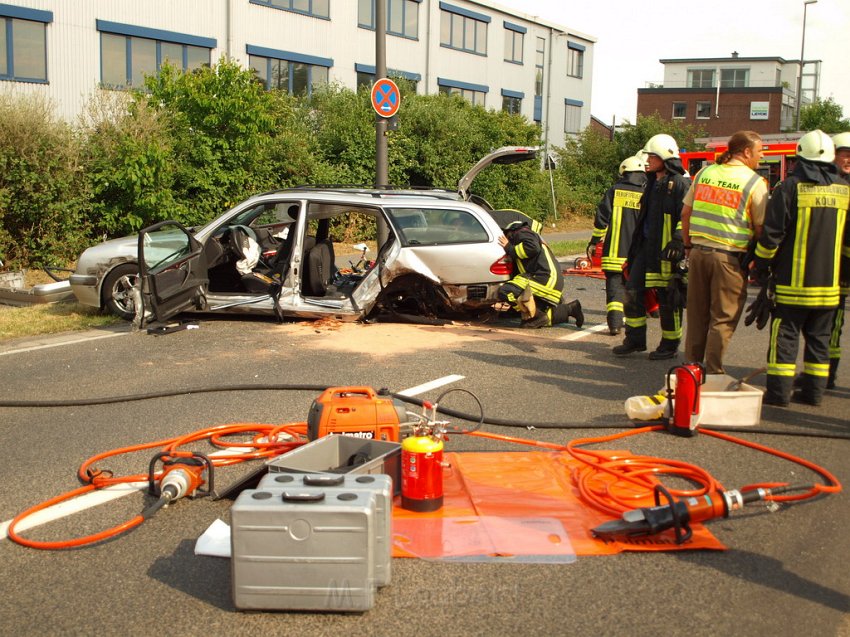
722,205
616,219
659,221
535,262
805,238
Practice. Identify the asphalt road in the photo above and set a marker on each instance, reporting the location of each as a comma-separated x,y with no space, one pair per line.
784,573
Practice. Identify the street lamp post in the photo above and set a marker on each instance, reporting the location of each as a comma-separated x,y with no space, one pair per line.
802,62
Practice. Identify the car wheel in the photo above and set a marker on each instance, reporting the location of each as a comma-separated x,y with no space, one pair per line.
117,291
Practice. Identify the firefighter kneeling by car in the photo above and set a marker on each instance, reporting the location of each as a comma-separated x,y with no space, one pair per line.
536,291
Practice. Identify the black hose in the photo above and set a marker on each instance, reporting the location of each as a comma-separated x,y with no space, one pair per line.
499,422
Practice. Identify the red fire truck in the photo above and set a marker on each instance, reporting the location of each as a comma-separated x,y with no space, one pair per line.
777,162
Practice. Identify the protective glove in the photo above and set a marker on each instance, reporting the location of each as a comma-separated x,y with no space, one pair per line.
674,251
677,292
761,270
760,309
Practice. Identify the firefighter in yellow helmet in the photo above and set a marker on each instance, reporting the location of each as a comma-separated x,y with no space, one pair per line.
804,250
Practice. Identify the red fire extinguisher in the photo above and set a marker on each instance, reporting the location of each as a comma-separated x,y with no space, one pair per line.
685,399
422,464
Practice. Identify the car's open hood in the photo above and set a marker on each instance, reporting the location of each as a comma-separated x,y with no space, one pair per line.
504,155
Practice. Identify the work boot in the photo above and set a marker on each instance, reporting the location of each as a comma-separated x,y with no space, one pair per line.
541,319
806,398
574,308
667,349
628,347
776,401
526,305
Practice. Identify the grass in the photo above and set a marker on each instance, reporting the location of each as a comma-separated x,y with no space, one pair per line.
38,320
568,248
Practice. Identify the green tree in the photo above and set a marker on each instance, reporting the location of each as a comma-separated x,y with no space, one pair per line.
825,115
630,138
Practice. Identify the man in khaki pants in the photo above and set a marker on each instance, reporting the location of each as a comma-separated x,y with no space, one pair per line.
723,212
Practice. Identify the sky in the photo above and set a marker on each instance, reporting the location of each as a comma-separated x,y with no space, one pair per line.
633,36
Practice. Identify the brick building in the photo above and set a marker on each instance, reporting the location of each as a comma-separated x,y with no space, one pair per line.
724,95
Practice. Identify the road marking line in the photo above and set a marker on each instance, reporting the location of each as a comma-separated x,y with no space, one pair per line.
62,342
584,332
421,389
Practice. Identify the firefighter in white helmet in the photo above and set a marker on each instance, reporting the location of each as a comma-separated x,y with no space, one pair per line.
656,250
615,222
804,250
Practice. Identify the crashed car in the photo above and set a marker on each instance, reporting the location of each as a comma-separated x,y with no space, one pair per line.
276,254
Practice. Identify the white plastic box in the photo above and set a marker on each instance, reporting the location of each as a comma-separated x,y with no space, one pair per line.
721,408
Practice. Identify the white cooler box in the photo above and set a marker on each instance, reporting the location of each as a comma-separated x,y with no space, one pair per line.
721,408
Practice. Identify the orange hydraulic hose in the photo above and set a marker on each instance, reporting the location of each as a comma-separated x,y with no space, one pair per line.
96,479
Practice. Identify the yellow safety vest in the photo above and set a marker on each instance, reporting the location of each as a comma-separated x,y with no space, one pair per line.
722,194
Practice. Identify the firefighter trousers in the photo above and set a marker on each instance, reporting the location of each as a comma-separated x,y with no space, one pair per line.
615,300
787,324
835,340
635,311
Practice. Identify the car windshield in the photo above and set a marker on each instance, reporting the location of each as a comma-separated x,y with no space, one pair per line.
423,226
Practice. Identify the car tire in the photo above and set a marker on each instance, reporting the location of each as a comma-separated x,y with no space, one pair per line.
116,291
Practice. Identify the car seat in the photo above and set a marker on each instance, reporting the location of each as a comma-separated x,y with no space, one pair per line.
319,266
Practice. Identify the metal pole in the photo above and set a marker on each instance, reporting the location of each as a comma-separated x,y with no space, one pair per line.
802,63
381,170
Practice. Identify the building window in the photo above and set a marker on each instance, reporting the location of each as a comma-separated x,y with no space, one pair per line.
512,101
734,78
402,16
572,116
703,110
514,41
472,93
700,78
463,29
366,76
23,43
680,110
539,59
129,53
575,59
316,8
295,78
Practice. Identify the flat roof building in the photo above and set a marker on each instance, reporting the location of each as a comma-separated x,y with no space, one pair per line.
491,55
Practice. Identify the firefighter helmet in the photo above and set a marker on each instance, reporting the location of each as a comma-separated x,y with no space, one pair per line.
514,225
816,146
842,140
662,145
633,164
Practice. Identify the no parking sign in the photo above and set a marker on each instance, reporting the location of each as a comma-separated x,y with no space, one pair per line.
385,97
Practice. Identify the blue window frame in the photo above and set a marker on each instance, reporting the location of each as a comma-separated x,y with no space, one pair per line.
402,17
473,93
315,8
294,73
366,75
23,43
572,116
575,59
463,29
128,53
512,101
514,41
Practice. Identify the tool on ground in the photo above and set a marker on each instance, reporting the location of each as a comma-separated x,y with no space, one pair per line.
684,416
676,514
734,385
183,474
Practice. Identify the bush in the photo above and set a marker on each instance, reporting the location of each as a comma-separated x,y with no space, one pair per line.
43,203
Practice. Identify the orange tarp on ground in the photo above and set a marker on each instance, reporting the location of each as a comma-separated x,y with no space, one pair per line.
517,504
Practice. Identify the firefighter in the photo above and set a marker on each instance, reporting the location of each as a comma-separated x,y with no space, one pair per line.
842,161
723,213
616,218
799,251
536,290
656,250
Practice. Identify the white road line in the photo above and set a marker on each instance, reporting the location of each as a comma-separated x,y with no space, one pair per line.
584,332
59,343
421,389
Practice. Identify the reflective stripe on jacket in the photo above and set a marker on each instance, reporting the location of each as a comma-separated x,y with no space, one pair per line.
616,219
721,208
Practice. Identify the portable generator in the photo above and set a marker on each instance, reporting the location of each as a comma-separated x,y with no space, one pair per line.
360,412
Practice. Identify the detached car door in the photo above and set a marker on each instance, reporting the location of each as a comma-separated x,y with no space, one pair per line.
173,270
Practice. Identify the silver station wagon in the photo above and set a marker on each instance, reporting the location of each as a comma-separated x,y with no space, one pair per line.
436,255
